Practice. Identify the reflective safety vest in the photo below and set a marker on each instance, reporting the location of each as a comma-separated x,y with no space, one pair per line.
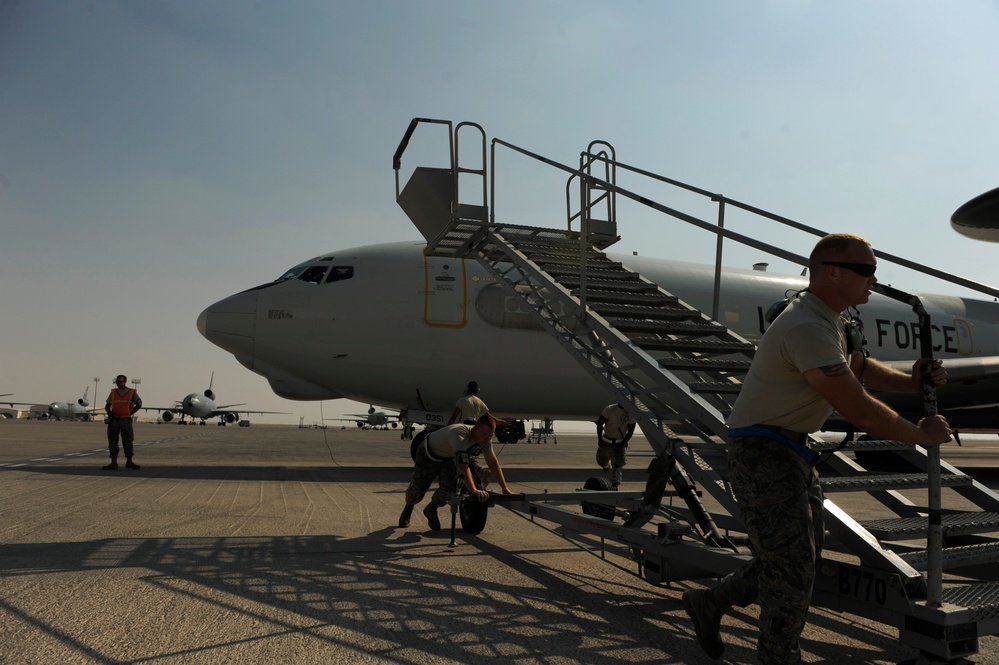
121,405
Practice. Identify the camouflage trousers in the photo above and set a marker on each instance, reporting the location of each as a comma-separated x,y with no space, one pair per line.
123,427
781,502
613,456
425,472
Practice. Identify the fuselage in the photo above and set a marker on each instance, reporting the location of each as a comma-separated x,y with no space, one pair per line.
198,405
385,324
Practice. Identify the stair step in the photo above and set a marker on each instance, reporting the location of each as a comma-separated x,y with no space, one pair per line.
952,524
563,262
594,285
981,599
548,243
568,275
705,364
666,313
955,557
604,296
668,328
692,344
726,387
867,444
872,482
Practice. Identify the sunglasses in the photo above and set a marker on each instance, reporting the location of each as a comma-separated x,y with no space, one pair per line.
862,269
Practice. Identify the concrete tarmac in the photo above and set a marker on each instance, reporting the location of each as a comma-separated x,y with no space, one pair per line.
279,544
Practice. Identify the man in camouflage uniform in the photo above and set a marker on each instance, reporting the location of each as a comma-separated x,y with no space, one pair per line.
444,454
803,369
615,427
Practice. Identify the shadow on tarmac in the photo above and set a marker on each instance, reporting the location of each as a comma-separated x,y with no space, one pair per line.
384,590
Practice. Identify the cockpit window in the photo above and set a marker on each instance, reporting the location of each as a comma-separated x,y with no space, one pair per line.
314,274
313,271
292,273
340,273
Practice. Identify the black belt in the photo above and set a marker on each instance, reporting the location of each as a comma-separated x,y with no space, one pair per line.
426,451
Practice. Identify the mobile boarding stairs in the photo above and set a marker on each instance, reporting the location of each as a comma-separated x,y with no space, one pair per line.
677,370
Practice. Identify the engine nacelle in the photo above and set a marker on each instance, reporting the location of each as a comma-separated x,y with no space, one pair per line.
209,394
82,402
231,417
86,417
167,416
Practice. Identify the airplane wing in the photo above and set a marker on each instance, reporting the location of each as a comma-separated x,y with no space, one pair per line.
222,410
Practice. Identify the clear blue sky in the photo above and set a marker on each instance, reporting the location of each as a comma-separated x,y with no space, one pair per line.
158,156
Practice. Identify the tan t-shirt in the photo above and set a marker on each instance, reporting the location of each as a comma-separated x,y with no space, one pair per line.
471,407
446,442
808,334
616,427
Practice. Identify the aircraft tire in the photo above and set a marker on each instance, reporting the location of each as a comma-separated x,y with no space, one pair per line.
599,484
473,515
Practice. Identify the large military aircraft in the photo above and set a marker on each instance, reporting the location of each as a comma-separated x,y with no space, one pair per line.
202,406
64,410
440,320
373,419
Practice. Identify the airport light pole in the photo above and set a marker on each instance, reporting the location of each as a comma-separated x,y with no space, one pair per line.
96,399
135,385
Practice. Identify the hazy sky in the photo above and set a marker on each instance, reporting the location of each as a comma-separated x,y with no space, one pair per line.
157,156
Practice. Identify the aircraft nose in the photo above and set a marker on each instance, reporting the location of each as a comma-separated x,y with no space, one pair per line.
231,323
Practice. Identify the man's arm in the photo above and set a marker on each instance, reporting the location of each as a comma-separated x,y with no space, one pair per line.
454,415
631,431
600,428
489,455
838,386
878,376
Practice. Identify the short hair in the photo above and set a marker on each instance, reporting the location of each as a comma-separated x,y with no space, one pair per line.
472,388
830,245
487,419
123,377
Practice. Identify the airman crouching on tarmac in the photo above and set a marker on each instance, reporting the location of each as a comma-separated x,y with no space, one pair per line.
439,455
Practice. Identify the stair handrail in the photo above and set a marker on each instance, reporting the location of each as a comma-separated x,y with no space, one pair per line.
404,143
934,533
722,232
724,200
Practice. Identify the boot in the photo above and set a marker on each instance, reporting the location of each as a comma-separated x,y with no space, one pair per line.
407,512
129,464
113,466
430,512
706,614
616,476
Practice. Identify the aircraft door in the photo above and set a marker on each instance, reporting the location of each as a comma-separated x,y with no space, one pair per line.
962,330
446,292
